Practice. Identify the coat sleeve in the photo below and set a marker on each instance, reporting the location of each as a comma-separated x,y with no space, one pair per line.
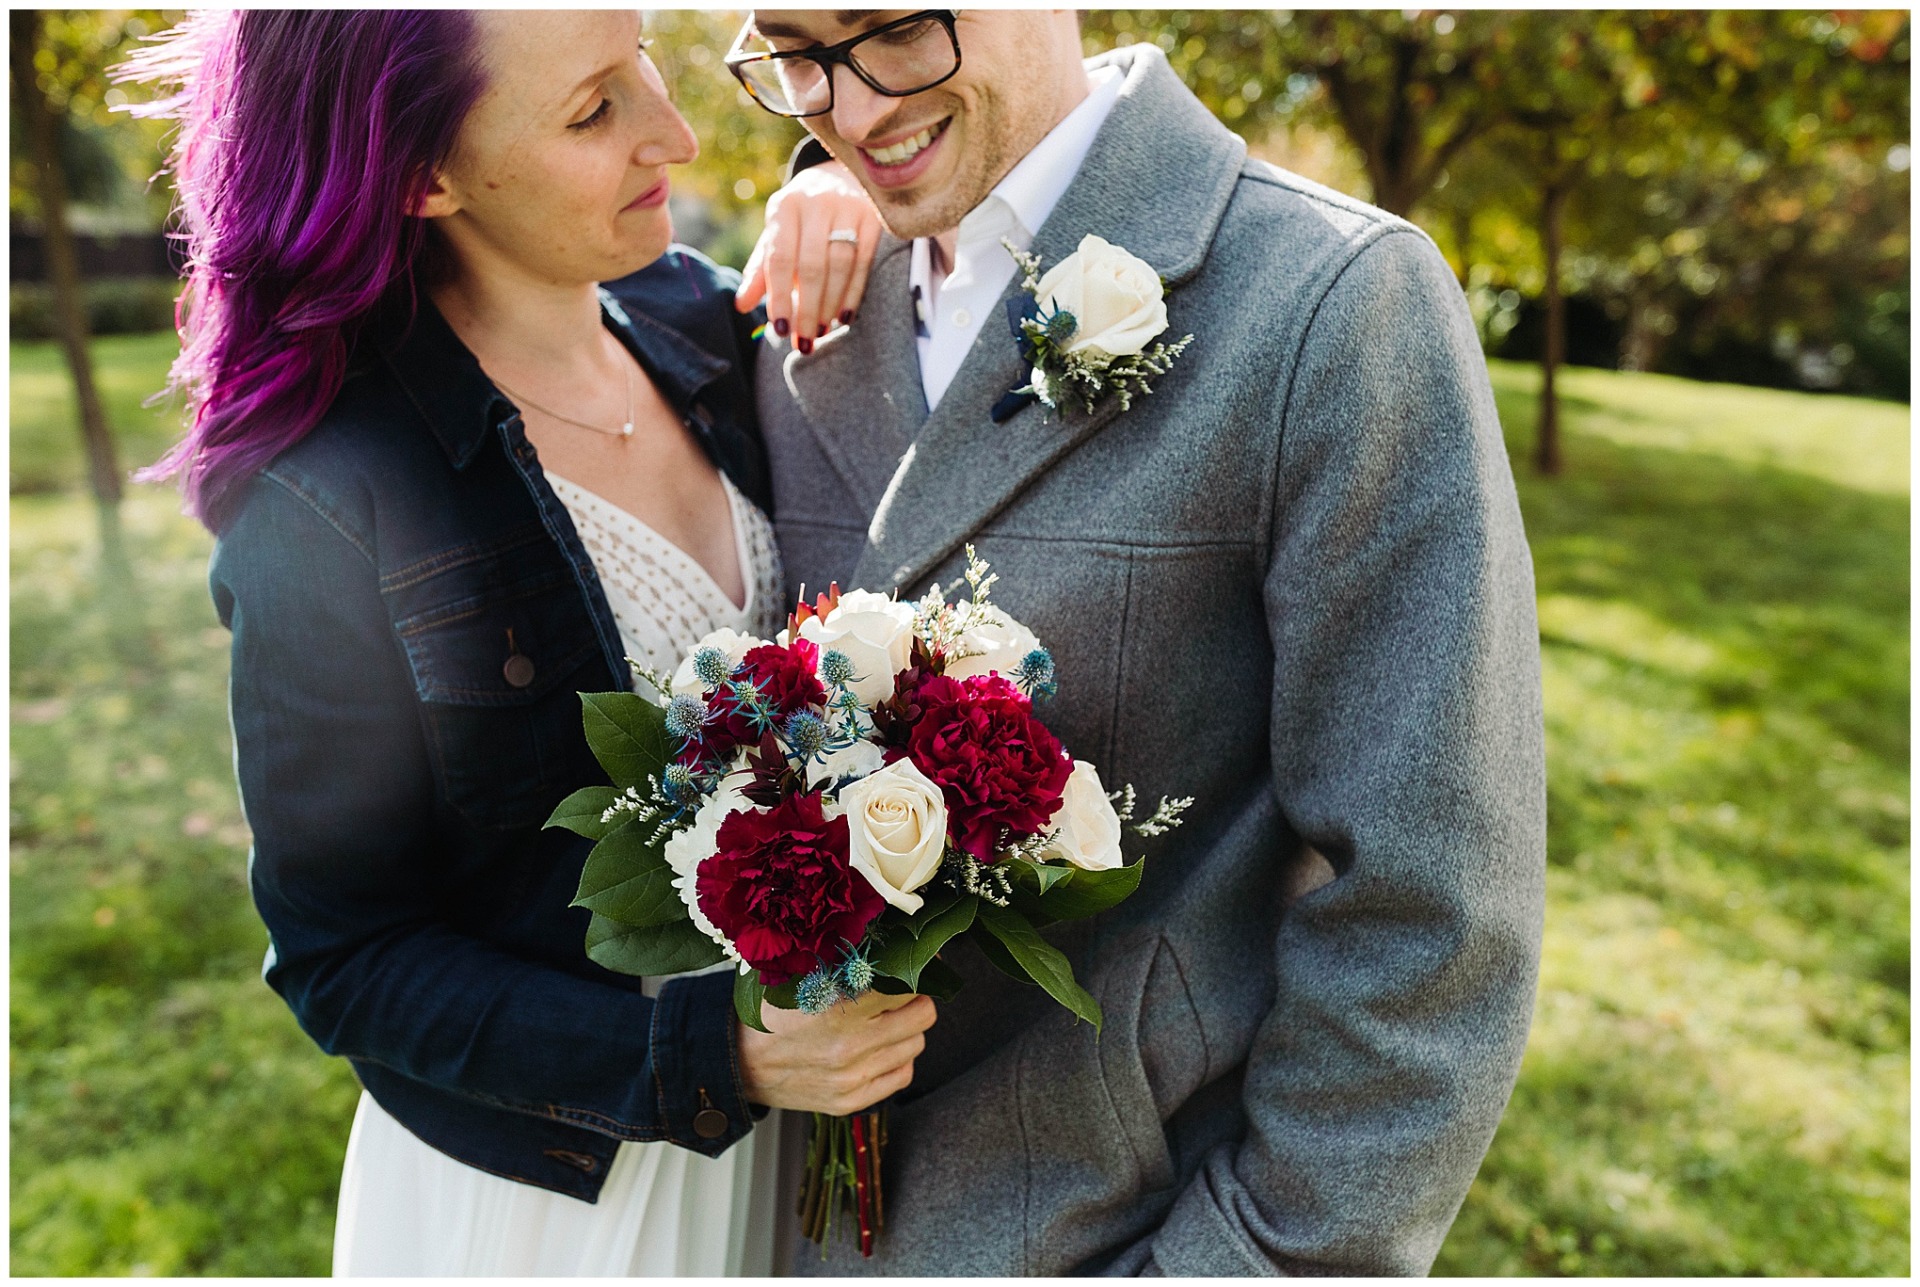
1407,749
348,834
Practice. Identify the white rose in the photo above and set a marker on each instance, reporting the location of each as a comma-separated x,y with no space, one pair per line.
1114,296
1089,828
998,642
896,831
731,642
686,849
855,761
876,635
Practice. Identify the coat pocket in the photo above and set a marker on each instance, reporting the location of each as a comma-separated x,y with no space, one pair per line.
1153,1053
496,665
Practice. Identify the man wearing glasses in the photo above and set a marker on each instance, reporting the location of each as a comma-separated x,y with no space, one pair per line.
1291,582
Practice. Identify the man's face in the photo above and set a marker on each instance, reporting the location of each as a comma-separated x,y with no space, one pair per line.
929,159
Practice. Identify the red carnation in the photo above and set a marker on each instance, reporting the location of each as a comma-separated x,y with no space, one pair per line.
788,680
781,888
998,767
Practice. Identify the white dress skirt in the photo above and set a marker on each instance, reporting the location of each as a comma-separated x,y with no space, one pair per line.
409,1210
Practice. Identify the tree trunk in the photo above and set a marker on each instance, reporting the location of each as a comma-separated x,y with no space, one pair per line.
63,267
1638,344
1462,241
1553,209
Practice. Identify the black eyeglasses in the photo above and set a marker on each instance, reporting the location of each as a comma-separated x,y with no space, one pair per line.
899,58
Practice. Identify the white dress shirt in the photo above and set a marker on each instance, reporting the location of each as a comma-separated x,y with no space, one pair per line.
952,310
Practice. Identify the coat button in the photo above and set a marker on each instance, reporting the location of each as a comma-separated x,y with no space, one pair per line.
518,670
709,1123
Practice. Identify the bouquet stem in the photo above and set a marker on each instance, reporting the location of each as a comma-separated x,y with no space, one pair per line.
843,1175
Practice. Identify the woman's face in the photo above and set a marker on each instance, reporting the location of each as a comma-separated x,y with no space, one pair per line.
560,170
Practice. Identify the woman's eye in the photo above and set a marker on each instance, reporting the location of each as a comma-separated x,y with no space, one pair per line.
606,105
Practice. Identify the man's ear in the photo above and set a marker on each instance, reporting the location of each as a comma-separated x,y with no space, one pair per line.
438,201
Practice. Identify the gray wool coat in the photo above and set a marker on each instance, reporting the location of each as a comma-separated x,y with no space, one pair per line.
1293,584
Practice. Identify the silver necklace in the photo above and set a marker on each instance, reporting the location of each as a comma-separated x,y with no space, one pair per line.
624,431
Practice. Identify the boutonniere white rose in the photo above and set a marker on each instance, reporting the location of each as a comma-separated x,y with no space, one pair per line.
1088,326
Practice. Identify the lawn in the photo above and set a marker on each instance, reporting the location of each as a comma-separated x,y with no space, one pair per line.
1717,1080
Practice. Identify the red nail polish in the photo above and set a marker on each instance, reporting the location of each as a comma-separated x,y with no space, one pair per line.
822,331
806,345
780,327
846,317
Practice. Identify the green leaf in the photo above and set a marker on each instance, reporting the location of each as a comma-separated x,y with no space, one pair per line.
1041,876
940,981
627,879
628,735
783,997
1089,892
932,904
1042,961
747,995
580,812
674,948
906,956
1003,961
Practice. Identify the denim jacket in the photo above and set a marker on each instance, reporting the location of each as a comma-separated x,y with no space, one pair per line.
379,578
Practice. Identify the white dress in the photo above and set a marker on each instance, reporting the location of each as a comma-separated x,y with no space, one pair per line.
409,1210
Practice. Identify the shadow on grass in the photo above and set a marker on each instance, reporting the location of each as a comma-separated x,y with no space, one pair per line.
1716,1081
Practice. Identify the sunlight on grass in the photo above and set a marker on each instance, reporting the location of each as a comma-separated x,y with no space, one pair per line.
1717,1080
1858,442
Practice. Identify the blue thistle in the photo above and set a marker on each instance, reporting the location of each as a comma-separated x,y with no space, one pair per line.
806,735
685,715
750,702
1061,325
1035,674
856,973
712,667
817,992
836,668
678,782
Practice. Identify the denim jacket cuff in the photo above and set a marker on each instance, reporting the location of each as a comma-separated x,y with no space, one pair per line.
696,1064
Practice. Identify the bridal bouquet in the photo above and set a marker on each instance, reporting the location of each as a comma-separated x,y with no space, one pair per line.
830,809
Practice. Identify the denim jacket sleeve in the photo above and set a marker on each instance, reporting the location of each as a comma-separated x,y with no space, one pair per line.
351,856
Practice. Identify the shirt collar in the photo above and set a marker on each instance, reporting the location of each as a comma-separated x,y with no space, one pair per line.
1034,186
442,379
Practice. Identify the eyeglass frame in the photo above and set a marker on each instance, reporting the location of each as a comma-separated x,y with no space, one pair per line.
827,57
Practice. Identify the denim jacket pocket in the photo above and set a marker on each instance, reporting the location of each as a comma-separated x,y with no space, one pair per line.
497,661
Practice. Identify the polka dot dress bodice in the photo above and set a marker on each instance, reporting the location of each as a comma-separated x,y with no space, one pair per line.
662,600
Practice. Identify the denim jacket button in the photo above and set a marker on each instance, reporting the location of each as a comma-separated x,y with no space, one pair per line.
709,1123
518,670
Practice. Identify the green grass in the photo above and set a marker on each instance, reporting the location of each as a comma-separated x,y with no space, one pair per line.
129,369
1717,1079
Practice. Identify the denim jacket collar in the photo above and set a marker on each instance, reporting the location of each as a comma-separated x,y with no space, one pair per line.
444,382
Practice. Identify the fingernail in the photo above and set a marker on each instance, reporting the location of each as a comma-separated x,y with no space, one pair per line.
846,317
780,327
806,345
822,331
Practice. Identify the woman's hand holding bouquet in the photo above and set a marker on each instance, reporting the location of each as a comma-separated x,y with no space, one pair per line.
829,810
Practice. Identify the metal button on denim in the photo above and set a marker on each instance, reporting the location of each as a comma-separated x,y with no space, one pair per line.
518,670
709,1123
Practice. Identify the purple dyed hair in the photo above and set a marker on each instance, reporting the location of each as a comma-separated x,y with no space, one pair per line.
304,138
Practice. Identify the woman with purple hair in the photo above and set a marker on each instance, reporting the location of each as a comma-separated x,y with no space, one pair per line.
471,433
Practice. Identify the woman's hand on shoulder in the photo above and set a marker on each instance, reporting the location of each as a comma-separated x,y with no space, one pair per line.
809,280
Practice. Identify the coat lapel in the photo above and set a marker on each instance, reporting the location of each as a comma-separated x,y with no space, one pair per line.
860,389
1156,183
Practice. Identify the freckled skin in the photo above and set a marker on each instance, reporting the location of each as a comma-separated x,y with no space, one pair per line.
528,192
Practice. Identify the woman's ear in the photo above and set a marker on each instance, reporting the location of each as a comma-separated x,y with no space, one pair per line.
438,201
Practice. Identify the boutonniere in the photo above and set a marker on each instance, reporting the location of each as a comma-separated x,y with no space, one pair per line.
1085,328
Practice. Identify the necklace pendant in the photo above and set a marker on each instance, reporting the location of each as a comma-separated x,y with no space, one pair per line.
626,430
